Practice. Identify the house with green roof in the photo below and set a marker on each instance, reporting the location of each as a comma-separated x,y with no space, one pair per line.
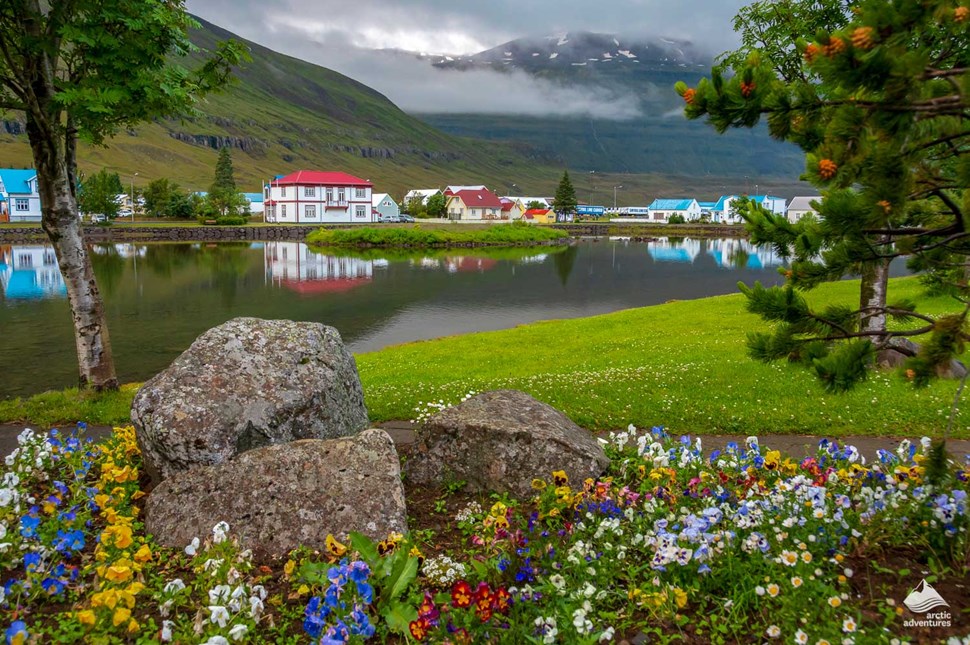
19,199
662,209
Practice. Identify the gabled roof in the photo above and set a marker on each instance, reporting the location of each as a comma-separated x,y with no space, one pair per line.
532,212
706,205
377,198
803,203
479,198
671,204
454,190
319,178
507,204
17,181
719,206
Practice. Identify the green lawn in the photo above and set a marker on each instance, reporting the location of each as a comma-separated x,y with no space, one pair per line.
682,365
420,236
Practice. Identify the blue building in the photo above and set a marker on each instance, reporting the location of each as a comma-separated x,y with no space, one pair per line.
591,211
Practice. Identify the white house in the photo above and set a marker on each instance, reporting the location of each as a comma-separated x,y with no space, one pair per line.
475,205
384,204
723,211
30,272
315,197
19,199
423,193
256,204
682,251
802,206
512,209
662,209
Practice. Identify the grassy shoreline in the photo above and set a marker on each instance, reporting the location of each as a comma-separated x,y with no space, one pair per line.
682,365
417,236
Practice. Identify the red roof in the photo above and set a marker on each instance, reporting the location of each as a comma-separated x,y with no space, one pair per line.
315,177
311,287
532,212
479,198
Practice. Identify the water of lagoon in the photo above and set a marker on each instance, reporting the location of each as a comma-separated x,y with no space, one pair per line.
161,296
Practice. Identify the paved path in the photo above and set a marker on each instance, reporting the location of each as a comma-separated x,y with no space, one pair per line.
794,445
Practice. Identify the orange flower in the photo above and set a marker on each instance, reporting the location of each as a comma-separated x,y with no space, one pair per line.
961,14
502,600
419,628
886,206
747,89
827,168
863,37
689,96
811,52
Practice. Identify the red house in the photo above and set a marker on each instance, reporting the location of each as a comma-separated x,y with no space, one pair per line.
315,197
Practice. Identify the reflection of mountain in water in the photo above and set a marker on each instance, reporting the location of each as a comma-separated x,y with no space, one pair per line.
294,266
728,253
30,273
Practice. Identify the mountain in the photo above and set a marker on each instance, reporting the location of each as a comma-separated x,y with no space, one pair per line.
638,74
283,114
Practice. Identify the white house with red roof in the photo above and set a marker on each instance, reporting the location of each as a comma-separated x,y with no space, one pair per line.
474,205
315,197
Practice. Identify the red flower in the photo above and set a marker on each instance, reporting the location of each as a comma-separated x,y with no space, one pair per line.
483,596
419,628
461,594
427,610
484,613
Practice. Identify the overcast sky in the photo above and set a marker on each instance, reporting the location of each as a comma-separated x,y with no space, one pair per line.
338,33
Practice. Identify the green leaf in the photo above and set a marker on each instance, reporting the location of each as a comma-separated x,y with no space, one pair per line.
399,616
365,547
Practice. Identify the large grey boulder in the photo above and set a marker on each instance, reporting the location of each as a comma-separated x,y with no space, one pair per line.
280,497
500,441
245,384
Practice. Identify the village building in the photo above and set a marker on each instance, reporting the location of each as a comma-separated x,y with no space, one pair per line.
802,206
316,197
418,193
512,209
725,213
19,197
384,205
661,210
539,216
474,205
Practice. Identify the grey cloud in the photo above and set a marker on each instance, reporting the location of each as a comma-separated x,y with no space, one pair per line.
342,36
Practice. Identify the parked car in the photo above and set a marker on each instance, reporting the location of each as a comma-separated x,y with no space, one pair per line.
389,219
406,218
98,218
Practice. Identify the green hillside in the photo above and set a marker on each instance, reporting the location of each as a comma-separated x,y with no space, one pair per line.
284,114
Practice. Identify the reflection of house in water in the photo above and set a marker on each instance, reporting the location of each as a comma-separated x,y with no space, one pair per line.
30,272
682,250
121,250
294,266
462,264
732,253
534,259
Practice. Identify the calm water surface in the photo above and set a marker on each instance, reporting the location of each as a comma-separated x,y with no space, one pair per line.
160,297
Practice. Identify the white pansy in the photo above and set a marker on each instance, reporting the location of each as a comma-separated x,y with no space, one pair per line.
218,615
192,548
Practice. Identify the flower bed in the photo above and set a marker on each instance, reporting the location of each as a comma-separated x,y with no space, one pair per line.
737,546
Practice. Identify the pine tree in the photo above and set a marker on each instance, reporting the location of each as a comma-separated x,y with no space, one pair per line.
565,202
223,195
879,103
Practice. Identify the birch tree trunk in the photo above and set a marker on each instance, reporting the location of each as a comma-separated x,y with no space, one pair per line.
55,161
872,300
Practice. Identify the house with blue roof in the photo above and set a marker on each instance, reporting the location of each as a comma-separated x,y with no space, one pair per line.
19,199
30,272
256,206
662,209
724,213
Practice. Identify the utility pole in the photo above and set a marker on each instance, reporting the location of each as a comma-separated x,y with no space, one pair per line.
614,197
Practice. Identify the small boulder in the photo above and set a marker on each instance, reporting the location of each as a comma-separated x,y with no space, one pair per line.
500,441
246,384
280,497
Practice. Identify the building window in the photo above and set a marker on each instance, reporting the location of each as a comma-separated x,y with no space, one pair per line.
283,211
361,212
282,191
341,195
310,211
25,261
360,193
330,194
309,191
23,205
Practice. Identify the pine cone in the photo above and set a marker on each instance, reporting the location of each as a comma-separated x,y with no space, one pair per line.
863,38
827,168
835,47
747,88
961,14
689,95
811,52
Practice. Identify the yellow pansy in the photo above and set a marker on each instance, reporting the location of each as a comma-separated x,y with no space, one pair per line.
86,617
143,554
121,615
